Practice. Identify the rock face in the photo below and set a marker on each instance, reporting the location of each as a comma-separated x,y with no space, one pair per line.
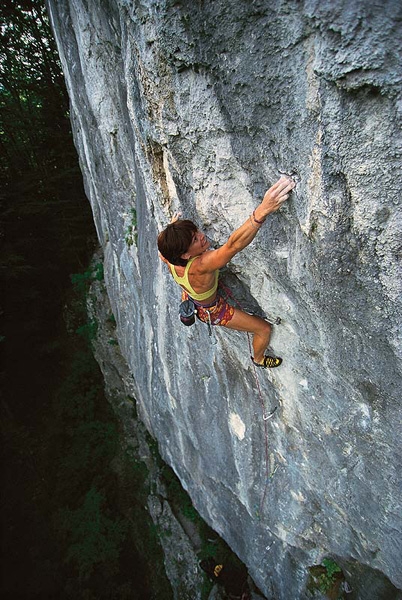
198,107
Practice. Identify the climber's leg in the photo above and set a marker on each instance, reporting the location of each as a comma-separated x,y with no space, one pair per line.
260,329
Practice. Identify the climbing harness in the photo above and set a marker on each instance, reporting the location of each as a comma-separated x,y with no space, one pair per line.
217,312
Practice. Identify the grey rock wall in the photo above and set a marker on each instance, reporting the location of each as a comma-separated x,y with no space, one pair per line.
198,107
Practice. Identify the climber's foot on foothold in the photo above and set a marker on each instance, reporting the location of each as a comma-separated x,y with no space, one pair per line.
268,362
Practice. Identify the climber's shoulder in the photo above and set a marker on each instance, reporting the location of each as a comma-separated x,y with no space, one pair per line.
211,260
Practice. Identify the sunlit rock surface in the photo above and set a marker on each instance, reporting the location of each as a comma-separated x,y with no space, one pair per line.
199,107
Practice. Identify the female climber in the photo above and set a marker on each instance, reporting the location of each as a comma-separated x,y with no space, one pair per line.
195,268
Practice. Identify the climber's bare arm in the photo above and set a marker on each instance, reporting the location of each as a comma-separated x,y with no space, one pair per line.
242,237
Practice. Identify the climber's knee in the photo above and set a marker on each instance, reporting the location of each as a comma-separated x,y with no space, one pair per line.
264,328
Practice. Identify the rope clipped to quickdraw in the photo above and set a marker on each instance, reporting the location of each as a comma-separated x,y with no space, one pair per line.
265,417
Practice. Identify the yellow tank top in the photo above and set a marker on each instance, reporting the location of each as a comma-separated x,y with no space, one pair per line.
185,284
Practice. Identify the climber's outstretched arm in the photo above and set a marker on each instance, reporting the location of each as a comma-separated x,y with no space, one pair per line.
242,237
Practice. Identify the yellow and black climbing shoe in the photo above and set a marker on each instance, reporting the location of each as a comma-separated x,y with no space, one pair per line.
269,362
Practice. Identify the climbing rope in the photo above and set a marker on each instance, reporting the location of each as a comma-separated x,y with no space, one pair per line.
265,417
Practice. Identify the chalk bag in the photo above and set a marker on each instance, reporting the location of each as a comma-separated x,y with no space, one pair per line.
187,312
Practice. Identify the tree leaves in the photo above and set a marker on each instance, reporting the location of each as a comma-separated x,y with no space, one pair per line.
34,122
94,537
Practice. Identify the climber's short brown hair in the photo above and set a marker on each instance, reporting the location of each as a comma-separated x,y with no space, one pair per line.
175,240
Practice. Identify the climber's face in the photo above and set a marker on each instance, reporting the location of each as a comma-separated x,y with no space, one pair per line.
198,245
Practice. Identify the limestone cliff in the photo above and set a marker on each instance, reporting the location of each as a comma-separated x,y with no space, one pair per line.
198,107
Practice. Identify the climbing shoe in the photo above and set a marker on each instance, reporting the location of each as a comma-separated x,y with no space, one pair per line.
269,362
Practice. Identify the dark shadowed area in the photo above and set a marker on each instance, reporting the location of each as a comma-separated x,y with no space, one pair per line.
63,534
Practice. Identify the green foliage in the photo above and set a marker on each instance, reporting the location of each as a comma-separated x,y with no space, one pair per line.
139,470
98,273
34,123
112,319
325,577
132,233
82,281
88,331
331,566
157,533
80,389
43,206
91,445
208,549
190,512
326,580
90,533
94,538
153,446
